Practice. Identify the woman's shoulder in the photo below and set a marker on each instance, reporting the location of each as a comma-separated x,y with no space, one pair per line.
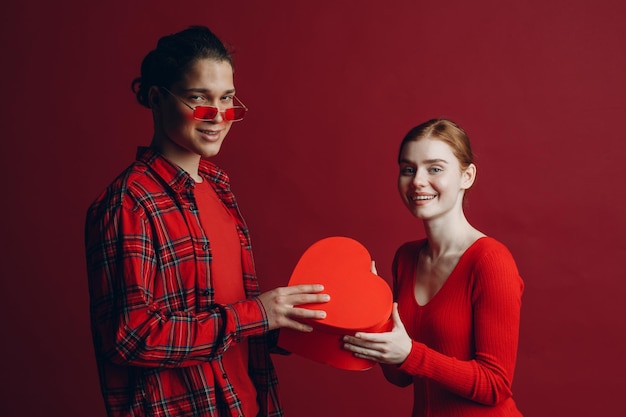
488,246
409,249
488,256
412,245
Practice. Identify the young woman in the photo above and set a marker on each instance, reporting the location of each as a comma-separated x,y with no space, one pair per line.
458,292
179,326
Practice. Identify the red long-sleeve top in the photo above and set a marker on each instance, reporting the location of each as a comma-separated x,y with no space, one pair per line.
465,338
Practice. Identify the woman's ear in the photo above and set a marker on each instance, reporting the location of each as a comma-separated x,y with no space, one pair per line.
468,176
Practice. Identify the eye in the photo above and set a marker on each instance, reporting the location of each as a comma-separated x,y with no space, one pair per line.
407,171
435,170
198,99
227,99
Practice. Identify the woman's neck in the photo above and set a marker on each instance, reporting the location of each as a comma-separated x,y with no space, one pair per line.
449,235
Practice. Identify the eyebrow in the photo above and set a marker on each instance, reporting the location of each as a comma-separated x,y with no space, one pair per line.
427,161
205,90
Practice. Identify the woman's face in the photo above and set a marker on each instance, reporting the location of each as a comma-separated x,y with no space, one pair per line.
430,181
207,82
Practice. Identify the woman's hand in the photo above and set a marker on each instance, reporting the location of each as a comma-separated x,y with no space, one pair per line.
390,348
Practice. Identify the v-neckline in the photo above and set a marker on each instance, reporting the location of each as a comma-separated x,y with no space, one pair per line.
453,273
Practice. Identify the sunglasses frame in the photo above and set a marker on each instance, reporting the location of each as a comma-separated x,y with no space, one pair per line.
215,109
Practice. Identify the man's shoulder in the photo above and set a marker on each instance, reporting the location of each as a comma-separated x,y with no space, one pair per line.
133,181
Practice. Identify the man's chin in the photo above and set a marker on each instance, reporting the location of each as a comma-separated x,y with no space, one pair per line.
210,151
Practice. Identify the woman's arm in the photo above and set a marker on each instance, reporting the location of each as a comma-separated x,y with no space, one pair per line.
496,302
394,375
487,378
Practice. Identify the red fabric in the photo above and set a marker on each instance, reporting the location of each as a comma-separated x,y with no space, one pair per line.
465,338
220,227
159,333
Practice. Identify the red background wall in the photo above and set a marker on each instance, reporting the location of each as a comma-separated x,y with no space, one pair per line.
332,87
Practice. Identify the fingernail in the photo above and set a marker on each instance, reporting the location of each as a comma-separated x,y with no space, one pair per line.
326,297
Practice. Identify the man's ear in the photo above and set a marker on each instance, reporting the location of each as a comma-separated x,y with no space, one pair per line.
468,176
154,97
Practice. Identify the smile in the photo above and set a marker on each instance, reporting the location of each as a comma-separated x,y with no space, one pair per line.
423,197
210,132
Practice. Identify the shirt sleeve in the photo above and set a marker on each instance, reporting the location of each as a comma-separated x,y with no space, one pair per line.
496,300
129,327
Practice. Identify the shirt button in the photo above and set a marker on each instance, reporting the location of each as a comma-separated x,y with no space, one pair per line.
206,292
205,247
224,376
192,207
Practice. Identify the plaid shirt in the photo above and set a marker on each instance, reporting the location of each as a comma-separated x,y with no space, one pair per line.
158,334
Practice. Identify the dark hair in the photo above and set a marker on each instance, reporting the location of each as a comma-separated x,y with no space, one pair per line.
446,131
173,56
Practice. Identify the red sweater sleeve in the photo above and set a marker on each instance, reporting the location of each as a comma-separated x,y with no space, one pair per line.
496,300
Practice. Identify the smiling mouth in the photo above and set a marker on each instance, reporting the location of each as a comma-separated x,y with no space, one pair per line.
422,197
210,132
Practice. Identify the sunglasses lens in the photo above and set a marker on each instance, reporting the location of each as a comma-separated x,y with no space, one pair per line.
209,113
205,112
235,113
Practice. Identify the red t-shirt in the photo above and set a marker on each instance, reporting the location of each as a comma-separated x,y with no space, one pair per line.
226,276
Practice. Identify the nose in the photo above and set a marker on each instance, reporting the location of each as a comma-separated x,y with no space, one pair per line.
219,117
419,179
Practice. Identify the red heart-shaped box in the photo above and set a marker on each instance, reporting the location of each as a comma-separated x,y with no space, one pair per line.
359,301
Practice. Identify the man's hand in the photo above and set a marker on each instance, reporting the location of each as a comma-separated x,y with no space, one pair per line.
280,306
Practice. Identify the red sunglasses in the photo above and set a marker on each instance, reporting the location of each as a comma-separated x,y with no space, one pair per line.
208,113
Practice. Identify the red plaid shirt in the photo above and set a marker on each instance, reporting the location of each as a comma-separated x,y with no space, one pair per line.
158,334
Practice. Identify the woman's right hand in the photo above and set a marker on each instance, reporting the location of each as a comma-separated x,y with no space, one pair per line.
390,348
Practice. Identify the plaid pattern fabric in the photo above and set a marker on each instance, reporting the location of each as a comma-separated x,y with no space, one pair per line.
158,334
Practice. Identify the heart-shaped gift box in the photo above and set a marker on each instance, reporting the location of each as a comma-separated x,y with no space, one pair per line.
359,301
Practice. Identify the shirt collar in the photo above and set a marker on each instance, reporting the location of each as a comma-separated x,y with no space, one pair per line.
176,177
